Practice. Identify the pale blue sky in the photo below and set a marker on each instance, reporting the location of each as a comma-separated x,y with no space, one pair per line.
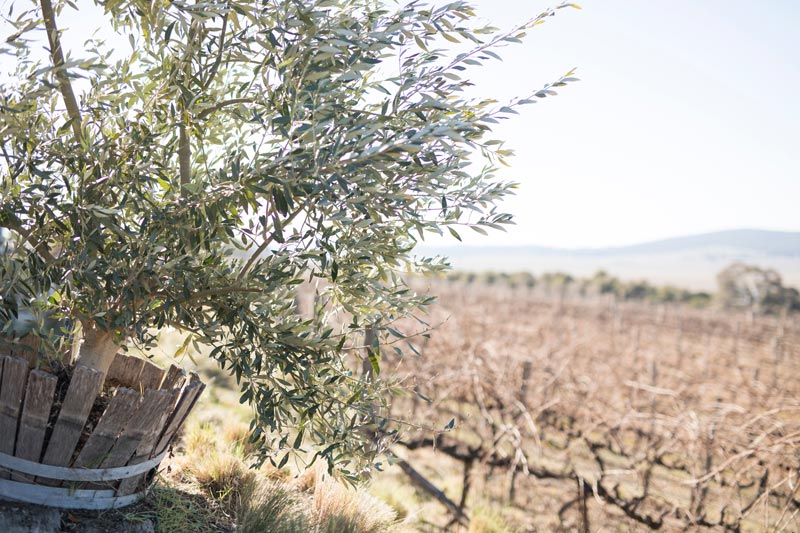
685,121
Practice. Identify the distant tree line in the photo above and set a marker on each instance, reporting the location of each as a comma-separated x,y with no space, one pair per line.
740,286
760,290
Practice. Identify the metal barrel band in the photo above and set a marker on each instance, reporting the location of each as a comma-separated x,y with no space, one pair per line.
65,498
15,464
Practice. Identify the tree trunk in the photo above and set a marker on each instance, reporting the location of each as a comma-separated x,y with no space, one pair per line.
98,348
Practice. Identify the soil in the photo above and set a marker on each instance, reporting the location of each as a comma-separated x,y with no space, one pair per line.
16,517
131,519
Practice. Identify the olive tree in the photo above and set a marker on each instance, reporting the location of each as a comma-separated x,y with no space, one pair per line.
237,150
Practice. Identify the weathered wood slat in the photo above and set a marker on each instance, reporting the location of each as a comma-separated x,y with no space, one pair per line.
12,389
2,362
108,429
144,420
125,370
189,395
178,380
174,378
145,449
83,388
151,376
27,348
35,414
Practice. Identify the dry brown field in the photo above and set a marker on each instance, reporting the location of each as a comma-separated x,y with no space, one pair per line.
593,415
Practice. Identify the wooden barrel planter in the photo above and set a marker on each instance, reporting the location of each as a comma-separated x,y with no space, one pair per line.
64,445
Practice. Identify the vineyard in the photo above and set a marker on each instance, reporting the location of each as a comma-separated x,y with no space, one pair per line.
580,413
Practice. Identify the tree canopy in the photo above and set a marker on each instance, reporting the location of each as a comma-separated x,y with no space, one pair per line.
760,290
234,152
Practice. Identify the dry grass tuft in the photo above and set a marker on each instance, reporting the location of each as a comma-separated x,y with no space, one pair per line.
210,486
224,477
273,507
214,471
238,434
340,508
199,439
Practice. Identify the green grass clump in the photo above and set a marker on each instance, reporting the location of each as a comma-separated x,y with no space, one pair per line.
175,510
488,519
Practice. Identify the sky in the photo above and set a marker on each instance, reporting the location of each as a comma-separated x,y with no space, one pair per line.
685,119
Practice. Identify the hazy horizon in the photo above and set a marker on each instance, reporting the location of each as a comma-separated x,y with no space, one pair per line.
690,261
488,242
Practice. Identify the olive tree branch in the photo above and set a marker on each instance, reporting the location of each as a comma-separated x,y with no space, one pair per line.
264,245
184,154
60,72
184,146
40,246
215,67
216,107
220,291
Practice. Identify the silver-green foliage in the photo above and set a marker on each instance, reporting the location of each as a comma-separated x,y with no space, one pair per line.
236,150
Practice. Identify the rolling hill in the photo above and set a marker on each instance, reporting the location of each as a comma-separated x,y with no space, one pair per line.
689,261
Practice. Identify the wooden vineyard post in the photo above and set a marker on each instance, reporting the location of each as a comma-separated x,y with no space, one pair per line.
527,368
